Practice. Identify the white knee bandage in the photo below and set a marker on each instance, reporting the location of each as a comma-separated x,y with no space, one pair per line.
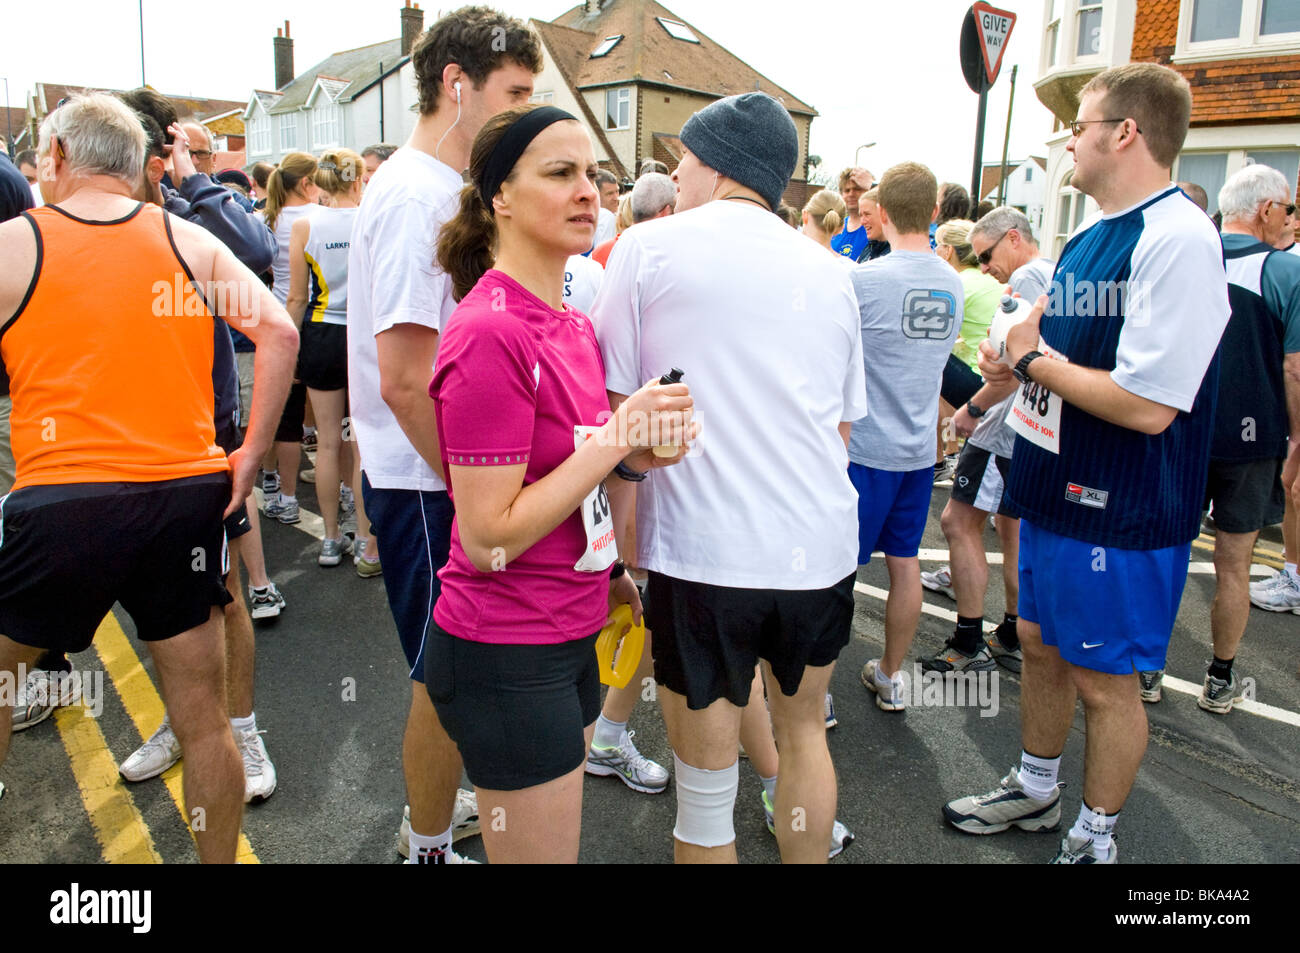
706,802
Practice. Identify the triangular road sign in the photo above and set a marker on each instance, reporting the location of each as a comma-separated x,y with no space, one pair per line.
994,29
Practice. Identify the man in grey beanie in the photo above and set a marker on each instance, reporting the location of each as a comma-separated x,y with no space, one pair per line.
751,548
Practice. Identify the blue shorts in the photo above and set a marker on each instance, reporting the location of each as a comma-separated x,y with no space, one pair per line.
892,509
413,529
1110,610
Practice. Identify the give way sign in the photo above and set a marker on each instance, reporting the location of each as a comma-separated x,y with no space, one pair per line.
994,29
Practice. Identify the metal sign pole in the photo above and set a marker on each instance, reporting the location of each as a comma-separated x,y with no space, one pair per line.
977,167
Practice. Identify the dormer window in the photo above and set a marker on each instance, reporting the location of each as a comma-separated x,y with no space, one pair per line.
678,30
609,43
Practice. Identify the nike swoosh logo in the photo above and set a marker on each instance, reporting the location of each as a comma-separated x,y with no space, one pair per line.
1093,646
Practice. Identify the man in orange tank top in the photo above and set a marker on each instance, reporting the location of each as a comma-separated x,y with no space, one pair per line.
106,341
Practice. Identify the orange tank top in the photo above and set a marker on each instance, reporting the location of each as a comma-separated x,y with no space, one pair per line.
109,383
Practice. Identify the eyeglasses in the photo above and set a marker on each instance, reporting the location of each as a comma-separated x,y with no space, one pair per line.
987,254
1077,125
1289,209
201,153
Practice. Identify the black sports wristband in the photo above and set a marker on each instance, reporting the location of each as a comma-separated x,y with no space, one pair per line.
974,409
624,472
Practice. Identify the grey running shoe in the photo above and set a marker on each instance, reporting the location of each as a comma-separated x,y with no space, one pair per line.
1283,597
265,603
632,768
1151,682
279,509
1219,696
939,581
951,659
41,693
155,756
1078,850
464,821
270,482
841,836
332,551
1005,806
1010,659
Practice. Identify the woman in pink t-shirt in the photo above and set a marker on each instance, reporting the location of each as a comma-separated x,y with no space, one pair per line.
510,658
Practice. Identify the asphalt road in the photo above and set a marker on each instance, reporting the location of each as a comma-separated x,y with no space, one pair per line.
332,696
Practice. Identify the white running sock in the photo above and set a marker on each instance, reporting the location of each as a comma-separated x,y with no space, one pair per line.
1038,775
608,733
1289,569
245,724
424,849
1097,825
284,498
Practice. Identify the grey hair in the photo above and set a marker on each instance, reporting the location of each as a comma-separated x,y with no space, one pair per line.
1243,193
652,193
100,135
1001,220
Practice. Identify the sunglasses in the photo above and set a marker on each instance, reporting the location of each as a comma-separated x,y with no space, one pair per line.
987,254
1289,209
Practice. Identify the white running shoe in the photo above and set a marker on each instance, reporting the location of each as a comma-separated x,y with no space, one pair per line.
464,822
891,693
939,581
632,768
1283,597
1267,583
259,773
41,693
155,756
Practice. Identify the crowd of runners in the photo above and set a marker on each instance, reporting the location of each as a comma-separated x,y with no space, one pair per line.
535,393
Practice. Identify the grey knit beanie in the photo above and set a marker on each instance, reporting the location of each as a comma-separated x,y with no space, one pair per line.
749,138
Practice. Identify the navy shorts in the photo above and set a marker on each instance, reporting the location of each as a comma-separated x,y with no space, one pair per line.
516,712
413,528
892,509
1107,609
1247,495
229,440
68,552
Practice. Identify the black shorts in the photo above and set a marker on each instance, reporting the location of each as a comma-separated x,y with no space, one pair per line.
228,439
323,356
980,478
67,553
516,712
707,639
295,409
1247,494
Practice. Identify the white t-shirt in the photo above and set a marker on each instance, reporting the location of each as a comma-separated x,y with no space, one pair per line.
280,266
606,227
582,278
765,326
394,279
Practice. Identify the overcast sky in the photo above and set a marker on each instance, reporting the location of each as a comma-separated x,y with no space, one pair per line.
886,72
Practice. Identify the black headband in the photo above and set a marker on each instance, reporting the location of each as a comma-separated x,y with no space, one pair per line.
512,145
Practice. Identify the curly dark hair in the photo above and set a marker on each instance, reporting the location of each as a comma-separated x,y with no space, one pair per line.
478,40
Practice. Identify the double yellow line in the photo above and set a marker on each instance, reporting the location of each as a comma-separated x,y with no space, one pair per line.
118,825
1263,554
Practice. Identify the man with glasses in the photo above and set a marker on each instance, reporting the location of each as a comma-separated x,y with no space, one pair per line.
1114,423
1256,451
1004,243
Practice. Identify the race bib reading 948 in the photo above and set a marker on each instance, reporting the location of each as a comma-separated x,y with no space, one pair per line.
1035,413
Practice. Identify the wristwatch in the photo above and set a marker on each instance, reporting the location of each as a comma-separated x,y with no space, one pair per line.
974,409
1021,370
624,472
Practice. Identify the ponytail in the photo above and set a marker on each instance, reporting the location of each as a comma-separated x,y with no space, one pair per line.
467,243
293,168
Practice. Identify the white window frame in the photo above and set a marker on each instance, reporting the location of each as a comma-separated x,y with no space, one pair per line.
606,45
547,97
622,102
259,134
678,30
325,125
1066,224
1052,34
289,124
1238,156
1247,43
1079,8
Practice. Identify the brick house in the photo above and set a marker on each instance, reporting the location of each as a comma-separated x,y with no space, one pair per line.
633,72
1241,58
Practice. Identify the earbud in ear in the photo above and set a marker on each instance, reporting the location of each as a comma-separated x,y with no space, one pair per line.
456,86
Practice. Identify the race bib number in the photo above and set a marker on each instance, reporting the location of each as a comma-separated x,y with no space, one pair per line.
597,520
1035,413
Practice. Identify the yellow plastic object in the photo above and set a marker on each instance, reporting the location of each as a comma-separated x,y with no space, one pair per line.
617,676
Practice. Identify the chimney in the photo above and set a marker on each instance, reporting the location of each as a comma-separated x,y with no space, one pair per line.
412,24
593,7
283,57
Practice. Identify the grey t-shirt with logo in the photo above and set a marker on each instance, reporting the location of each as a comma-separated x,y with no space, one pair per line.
910,304
992,433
